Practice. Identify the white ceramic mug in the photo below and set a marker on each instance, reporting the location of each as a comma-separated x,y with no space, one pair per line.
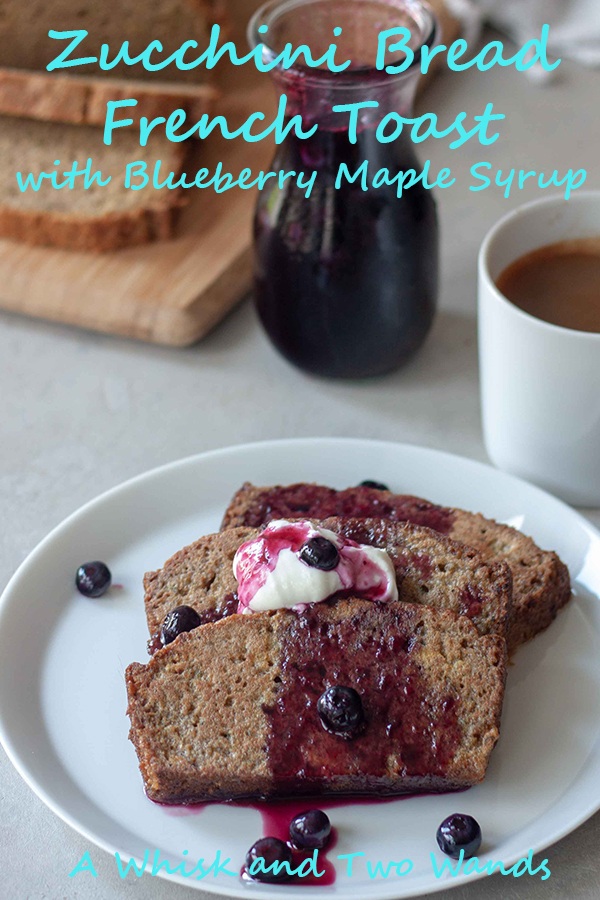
540,383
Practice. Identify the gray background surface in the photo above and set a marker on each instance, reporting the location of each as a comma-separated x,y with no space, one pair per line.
80,413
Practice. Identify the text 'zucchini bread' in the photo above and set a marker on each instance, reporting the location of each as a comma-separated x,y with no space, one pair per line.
234,709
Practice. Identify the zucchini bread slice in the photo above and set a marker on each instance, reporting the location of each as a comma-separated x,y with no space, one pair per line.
99,218
28,89
229,710
430,569
541,584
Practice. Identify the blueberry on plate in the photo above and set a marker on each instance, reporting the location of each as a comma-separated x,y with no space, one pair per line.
320,553
310,830
271,850
93,579
459,832
376,485
341,711
180,619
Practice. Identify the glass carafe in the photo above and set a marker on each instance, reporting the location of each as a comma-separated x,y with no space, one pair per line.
345,280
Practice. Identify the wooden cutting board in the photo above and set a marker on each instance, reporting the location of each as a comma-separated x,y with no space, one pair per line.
175,291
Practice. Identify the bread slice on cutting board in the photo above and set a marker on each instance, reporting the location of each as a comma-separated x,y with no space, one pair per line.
79,95
99,218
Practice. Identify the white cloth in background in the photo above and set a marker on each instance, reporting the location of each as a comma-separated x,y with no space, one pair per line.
574,24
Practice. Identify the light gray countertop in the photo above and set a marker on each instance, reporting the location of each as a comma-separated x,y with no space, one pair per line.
81,412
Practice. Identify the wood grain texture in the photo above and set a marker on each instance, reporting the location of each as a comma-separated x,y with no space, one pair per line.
176,291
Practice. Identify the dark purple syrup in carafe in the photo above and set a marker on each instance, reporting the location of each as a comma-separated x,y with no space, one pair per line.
345,279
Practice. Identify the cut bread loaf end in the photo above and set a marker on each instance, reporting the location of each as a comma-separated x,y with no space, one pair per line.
229,710
28,89
99,218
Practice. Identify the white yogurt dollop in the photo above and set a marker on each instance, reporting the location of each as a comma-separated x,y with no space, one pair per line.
272,575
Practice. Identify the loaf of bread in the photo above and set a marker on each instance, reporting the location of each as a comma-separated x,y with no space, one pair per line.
79,95
541,584
229,710
430,569
99,218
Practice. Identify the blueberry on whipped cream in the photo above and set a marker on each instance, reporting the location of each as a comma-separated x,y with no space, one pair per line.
283,568
320,553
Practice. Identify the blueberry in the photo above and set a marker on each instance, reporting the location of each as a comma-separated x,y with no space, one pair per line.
272,850
320,553
341,712
459,832
310,830
93,579
376,485
180,619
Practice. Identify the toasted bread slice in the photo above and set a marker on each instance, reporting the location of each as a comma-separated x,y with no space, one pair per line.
430,569
229,710
541,584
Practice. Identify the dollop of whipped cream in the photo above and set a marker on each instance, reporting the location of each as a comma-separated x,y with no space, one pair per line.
272,575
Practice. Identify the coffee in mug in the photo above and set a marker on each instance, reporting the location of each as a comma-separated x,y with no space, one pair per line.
558,283
539,344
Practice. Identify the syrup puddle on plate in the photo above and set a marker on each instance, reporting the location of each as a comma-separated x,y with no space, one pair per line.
276,817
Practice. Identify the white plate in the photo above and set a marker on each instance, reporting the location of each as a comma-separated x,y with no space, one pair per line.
62,659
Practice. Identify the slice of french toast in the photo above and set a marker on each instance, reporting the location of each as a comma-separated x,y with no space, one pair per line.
541,583
232,709
430,568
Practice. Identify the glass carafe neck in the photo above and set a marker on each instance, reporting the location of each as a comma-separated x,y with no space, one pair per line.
312,93
317,99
